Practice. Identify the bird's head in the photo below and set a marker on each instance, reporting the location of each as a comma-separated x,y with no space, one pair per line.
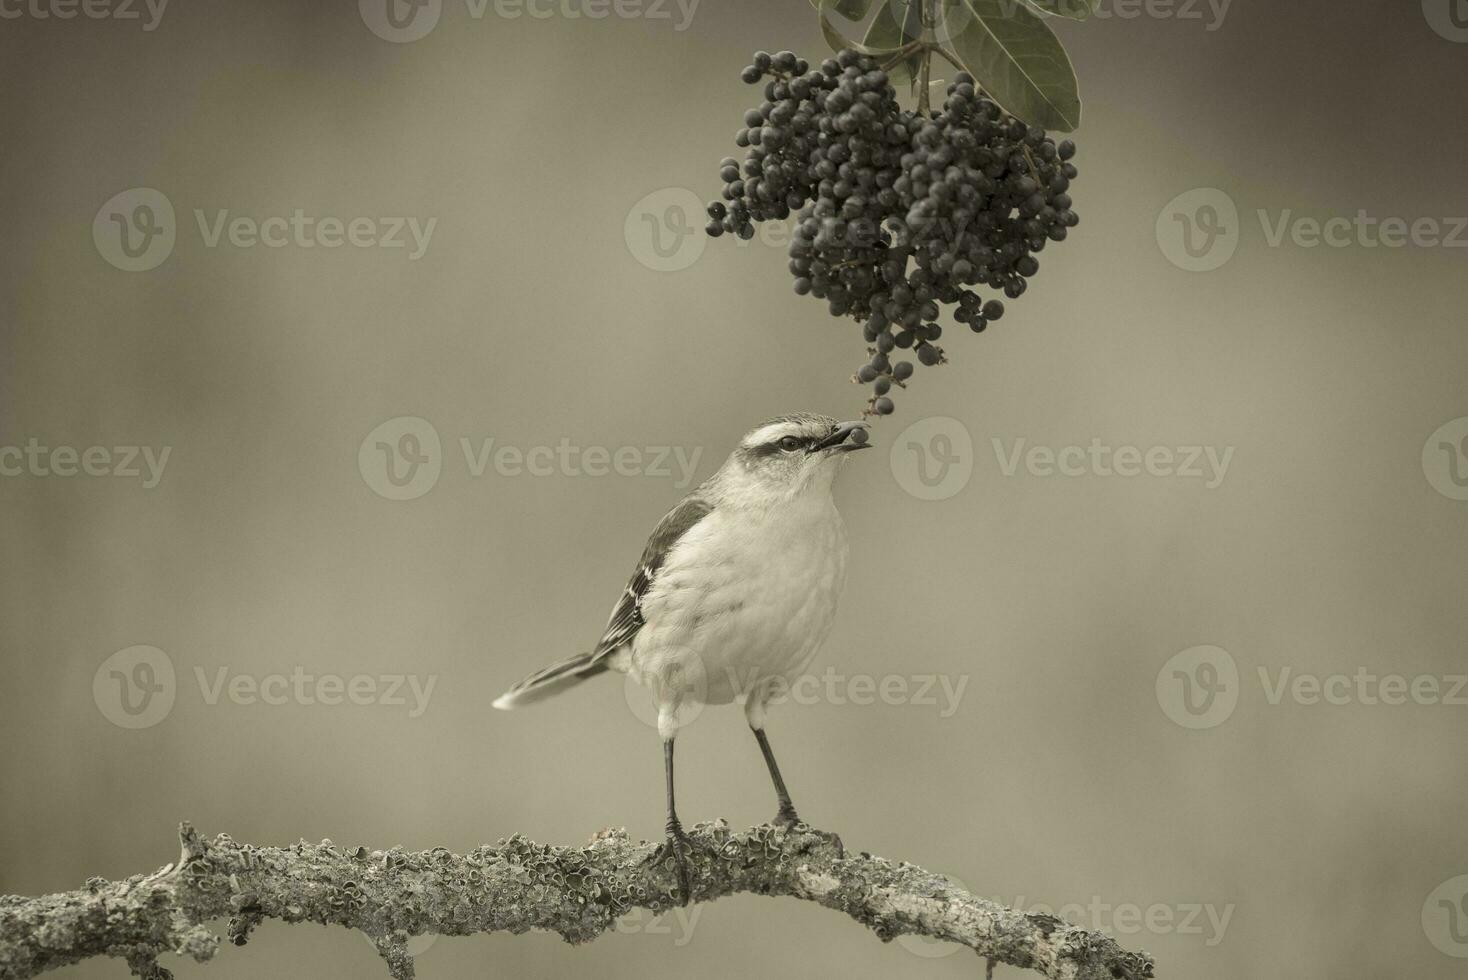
790,455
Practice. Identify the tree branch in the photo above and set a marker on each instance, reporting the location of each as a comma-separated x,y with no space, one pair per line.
515,886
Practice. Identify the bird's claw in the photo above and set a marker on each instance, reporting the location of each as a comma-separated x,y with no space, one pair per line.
789,821
678,848
786,818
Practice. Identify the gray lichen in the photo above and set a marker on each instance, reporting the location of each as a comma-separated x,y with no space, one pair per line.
514,886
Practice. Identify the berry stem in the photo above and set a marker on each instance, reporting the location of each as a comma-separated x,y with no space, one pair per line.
1034,167
949,58
908,49
929,14
923,74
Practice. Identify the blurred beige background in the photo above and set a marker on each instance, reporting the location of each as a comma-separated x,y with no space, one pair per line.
1277,840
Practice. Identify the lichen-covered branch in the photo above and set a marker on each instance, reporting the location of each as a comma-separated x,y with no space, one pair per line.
515,886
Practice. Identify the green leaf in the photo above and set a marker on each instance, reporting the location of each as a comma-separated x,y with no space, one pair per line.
1020,62
837,40
1069,9
886,34
850,9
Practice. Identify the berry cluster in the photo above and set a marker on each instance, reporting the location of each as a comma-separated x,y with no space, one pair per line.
898,212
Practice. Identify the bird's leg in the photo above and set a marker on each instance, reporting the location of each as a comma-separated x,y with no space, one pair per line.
786,815
677,845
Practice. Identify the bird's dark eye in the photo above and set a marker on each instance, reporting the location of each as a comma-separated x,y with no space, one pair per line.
790,444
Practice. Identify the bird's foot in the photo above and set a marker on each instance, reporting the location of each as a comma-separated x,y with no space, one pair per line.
787,819
676,850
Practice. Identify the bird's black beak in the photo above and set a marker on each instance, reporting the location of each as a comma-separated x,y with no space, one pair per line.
839,441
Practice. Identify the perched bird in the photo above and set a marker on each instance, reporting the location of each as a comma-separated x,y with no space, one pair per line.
736,590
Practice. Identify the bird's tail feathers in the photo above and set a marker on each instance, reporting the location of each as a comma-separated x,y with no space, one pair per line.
548,680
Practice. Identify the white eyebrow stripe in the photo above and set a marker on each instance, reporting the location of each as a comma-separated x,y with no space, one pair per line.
770,433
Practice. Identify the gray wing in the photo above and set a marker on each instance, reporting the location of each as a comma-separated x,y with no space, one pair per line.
626,617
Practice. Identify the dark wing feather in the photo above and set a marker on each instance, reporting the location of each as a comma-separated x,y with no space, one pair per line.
627,618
